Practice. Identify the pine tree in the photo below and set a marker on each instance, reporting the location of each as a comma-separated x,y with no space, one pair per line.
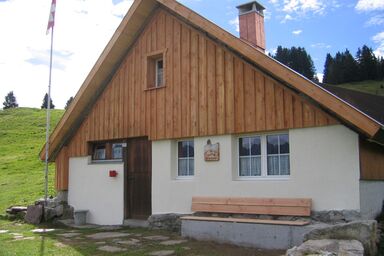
45,103
69,101
10,101
297,59
350,67
367,63
327,79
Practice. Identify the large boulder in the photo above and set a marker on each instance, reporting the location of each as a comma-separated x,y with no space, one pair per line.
34,214
363,231
328,247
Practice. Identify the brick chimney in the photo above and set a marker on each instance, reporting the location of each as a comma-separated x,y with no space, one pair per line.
251,22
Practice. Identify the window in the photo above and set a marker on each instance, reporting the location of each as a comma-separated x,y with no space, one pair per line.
278,154
250,156
185,158
264,156
159,73
99,152
104,151
117,151
155,70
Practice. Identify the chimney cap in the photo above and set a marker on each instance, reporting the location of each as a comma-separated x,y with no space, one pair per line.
250,7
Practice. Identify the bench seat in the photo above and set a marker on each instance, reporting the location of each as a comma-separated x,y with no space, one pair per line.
247,220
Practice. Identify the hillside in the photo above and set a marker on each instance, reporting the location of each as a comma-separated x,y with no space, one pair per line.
372,87
22,134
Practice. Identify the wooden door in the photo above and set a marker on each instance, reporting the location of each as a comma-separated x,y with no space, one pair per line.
138,170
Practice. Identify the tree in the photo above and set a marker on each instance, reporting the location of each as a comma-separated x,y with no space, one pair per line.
367,63
328,65
10,101
45,102
69,101
296,58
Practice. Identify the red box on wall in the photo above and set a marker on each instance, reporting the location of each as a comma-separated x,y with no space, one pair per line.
112,173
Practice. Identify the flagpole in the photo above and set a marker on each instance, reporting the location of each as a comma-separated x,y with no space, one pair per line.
48,123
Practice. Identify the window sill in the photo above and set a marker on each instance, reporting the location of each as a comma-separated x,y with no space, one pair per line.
184,178
154,88
263,178
109,161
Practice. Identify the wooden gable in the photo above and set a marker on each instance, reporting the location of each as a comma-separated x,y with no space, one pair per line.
208,91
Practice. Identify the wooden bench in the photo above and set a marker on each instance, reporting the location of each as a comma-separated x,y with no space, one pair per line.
250,205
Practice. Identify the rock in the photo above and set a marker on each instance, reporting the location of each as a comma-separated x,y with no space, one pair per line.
173,242
336,217
59,210
162,253
107,235
34,214
49,213
108,248
169,222
43,230
363,231
130,242
2,231
156,238
69,235
67,212
328,247
16,209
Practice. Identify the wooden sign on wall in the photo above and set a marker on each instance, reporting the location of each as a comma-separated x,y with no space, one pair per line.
212,151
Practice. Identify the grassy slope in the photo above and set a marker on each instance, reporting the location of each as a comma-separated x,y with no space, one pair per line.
22,134
372,87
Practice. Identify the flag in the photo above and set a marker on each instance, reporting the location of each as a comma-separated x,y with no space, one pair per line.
51,20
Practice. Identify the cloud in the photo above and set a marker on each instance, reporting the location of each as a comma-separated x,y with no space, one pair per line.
320,76
321,45
303,6
379,39
286,18
375,20
235,22
297,32
82,30
369,5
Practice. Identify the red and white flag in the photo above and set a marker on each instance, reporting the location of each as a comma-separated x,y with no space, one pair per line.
51,20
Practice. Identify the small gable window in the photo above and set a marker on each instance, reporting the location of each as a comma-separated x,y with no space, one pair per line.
155,70
159,73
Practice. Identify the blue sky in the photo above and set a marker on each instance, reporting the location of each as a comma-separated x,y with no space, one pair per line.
320,26
84,27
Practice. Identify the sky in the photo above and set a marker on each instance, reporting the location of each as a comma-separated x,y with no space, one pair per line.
84,27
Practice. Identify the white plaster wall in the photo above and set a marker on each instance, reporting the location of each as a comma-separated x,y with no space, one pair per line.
324,166
91,188
371,198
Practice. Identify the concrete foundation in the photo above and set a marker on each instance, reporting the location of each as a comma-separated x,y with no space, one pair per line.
371,198
264,236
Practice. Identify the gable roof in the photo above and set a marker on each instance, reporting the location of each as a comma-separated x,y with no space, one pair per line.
130,28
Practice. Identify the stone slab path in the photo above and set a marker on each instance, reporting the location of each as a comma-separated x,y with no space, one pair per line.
107,235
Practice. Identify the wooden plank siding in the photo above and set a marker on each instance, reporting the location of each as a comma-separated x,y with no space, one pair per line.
208,90
371,160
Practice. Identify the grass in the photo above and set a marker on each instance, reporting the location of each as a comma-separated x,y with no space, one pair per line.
372,87
22,135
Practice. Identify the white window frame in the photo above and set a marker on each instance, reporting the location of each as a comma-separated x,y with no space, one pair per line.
264,158
181,177
157,73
